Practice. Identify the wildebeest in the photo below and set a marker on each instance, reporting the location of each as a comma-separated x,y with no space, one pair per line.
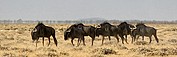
134,34
106,26
86,31
74,31
41,30
89,31
113,32
125,29
107,29
143,30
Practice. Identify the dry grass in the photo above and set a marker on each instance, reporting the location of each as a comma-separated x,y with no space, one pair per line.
15,41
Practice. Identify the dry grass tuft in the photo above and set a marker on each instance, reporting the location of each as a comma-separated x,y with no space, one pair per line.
140,43
104,51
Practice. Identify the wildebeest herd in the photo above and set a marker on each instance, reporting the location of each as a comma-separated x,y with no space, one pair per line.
104,29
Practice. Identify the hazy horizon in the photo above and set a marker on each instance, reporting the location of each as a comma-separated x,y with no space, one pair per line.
80,9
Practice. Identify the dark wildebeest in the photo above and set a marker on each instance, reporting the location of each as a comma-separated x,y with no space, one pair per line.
74,31
107,28
113,32
41,30
125,29
143,30
134,34
88,31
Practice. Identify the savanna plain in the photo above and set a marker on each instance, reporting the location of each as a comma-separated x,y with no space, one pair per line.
16,41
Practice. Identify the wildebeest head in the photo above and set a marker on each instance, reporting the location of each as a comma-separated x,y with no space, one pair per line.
68,31
98,31
131,26
66,35
134,32
34,34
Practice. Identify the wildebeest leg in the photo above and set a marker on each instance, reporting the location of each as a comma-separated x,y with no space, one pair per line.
79,41
109,37
93,38
117,38
102,40
143,37
72,41
49,40
54,38
109,33
132,38
37,41
121,36
43,41
157,40
83,40
126,39
136,38
150,38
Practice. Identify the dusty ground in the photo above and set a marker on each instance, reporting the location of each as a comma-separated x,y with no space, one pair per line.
15,41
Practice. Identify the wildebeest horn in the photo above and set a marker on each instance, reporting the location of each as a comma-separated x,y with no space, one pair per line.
98,26
68,30
34,30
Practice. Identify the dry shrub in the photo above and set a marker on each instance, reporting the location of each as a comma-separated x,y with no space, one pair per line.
52,55
62,29
9,38
171,29
30,29
77,49
143,50
122,47
14,48
13,28
20,31
2,37
140,43
47,55
51,50
4,48
64,53
97,55
9,55
155,52
172,40
25,50
104,51
163,52
22,55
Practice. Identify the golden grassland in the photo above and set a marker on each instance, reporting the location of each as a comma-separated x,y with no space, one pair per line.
16,41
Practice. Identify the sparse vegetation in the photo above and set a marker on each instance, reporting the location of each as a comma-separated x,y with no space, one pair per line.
15,41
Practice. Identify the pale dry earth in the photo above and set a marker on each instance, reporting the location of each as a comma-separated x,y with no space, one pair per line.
16,41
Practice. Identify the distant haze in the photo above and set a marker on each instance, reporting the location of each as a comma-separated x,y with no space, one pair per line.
82,9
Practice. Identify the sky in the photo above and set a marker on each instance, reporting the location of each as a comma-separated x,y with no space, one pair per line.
80,9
